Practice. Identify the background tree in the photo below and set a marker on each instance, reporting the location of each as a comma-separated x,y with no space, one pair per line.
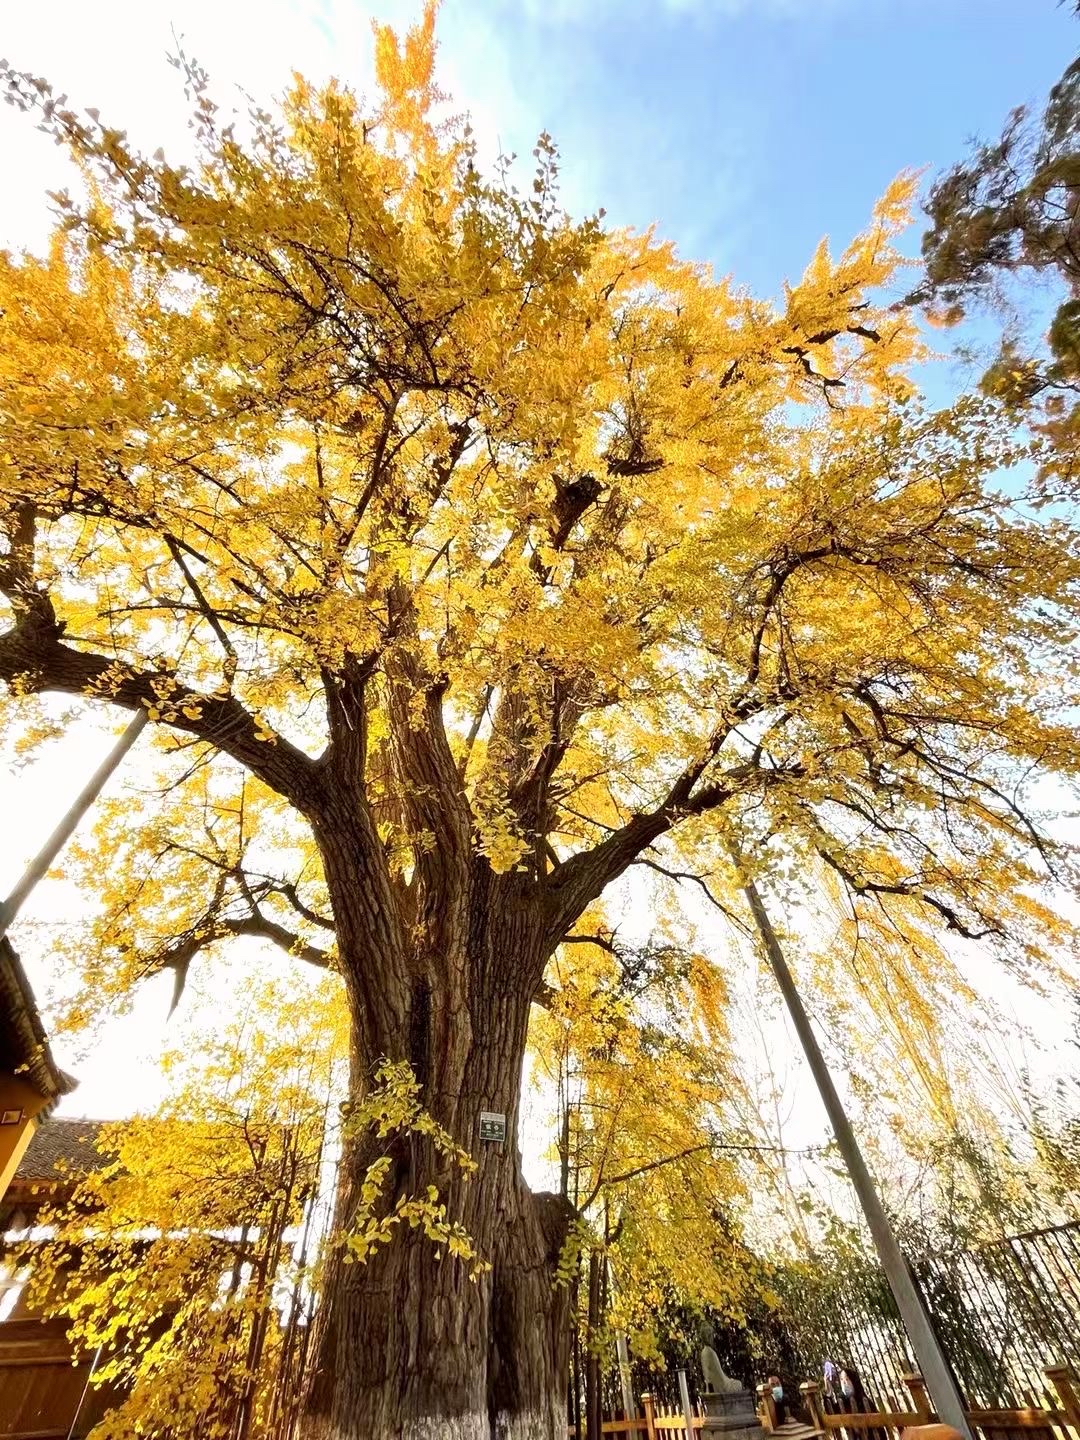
497,553
186,1261
651,1153
1011,211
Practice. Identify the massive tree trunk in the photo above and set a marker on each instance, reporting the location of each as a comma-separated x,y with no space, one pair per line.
412,1349
409,1346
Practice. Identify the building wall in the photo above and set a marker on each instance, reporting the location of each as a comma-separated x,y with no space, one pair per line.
16,1094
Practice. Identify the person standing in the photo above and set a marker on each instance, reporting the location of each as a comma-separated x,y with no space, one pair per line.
831,1387
854,1401
777,1389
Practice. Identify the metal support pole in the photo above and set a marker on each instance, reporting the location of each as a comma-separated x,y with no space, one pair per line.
83,1394
622,1351
938,1373
684,1396
41,862
622,1355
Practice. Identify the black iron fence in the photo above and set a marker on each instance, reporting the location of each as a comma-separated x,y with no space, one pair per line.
1004,1312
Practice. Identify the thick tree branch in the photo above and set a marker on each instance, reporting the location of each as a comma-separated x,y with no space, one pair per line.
602,941
179,955
346,718
268,885
584,876
581,879
527,767
17,563
430,788
34,657
263,928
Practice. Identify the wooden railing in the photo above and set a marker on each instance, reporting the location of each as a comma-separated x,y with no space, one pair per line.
1052,1423
1061,1422
656,1420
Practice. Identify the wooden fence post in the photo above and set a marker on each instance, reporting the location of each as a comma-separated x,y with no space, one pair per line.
917,1386
767,1409
648,1404
810,1390
1064,1382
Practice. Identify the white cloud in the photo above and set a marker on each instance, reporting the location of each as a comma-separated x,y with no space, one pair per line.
592,13
112,55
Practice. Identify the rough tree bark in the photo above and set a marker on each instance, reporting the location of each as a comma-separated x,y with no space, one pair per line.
409,1345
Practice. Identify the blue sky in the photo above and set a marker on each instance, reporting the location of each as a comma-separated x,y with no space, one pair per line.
749,130
745,128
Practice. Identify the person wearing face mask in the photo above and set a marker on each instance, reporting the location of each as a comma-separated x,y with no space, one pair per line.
777,1389
851,1389
854,1401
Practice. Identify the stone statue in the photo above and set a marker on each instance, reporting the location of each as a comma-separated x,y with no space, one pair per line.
730,1413
715,1379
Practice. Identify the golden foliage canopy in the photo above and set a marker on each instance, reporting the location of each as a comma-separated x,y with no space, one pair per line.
358,467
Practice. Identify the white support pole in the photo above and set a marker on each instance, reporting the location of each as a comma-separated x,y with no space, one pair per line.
39,865
934,1363
622,1356
622,1352
684,1396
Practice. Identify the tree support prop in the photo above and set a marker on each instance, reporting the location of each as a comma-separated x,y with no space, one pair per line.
39,865
917,1319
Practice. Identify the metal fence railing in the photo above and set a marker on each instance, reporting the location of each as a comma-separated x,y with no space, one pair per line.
1004,1313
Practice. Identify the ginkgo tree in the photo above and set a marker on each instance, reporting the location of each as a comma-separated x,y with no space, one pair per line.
632,1047
184,1259
498,552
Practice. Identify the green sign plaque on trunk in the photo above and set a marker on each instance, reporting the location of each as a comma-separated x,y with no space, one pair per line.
492,1126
